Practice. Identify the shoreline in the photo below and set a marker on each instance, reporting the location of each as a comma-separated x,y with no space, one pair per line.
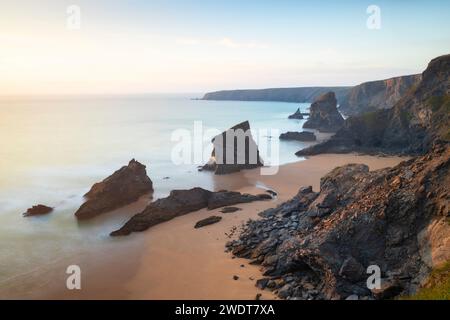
173,260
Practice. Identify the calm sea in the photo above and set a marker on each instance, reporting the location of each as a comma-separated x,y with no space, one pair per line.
54,148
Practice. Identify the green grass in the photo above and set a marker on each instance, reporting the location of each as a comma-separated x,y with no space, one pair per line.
437,286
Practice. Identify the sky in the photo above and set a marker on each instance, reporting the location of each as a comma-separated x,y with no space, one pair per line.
159,46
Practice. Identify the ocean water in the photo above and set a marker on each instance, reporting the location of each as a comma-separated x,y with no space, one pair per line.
52,149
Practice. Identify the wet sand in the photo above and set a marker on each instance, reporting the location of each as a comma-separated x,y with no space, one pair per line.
175,261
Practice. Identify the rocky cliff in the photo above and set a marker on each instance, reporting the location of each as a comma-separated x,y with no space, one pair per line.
319,245
419,118
376,95
301,94
323,114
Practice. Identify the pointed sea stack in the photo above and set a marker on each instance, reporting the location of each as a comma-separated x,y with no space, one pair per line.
244,151
297,115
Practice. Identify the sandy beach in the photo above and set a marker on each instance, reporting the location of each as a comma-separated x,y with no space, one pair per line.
175,261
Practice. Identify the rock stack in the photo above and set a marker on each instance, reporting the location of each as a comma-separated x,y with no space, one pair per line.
123,187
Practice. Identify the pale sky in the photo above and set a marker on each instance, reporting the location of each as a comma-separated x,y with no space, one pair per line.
199,46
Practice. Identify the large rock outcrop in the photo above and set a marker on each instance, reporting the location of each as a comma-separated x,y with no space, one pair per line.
410,127
319,244
181,202
323,114
375,95
123,187
234,150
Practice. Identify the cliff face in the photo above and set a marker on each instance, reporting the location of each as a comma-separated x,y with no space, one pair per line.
376,95
302,94
324,115
320,244
419,118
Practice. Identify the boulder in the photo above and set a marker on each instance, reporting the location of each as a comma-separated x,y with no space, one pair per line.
262,283
298,136
230,209
352,270
324,115
37,210
123,187
389,289
207,221
296,115
242,151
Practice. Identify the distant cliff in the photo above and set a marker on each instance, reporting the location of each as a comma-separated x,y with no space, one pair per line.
418,119
301,94
376,95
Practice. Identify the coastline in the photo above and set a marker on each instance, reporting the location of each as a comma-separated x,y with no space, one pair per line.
175,261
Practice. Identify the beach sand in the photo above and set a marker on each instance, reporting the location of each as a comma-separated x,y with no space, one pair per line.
175,261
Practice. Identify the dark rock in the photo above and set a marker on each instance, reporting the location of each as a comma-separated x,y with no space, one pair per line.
181,202
230,209
381,217
258,296
207,221
262,283
298,136
235,277
123,187
352,270
389,289
271,192
411,127
226,198
324,115
285,291
245,153
296,115
37,210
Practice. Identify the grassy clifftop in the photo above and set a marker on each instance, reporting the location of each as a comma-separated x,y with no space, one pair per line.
437,286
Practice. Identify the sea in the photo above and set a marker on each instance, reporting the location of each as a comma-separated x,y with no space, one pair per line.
53,148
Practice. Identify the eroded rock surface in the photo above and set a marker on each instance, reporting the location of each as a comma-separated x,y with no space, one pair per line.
323,114
181,202
410,127
238,143
319,244
123,187
376,95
